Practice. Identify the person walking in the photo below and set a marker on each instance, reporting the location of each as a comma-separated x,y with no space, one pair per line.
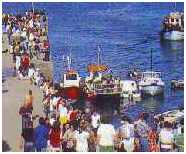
126,133
153,141
26,115
55,136
29,100
41,135
27,138
142,129
81,140
95,121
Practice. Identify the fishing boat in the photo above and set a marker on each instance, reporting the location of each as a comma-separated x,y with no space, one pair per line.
151,82
71,82
101,80
173,26
130,89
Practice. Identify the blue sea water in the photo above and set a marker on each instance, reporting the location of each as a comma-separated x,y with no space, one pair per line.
126,33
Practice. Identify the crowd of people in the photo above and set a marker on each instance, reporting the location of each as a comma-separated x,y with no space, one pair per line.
71,129
27,37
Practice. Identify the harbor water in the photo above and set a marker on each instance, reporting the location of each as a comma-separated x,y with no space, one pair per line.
126,32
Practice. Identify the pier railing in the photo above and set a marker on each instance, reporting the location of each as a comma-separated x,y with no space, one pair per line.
113,88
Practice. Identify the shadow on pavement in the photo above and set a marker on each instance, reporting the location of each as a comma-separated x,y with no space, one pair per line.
5,146
4,91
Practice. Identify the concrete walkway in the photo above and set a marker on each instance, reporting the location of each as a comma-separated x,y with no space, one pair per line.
13,94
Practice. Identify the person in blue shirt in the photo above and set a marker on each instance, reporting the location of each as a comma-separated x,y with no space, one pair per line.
41,136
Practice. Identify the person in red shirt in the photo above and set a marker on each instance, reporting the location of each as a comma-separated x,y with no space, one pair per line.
25,62
55,136
47,50
152,141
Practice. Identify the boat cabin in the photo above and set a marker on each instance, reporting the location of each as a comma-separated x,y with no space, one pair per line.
71,79
174,21
151,74
149,78
128,86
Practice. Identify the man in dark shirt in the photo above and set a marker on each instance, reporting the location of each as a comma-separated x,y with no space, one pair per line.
27,137
26,114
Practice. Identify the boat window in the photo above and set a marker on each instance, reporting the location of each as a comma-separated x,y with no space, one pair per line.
172,20
154,75
71,77
177,20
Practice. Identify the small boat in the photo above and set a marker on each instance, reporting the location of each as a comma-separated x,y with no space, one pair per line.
173,26
71,83
176,118
130,89
172,116
177,84
151,83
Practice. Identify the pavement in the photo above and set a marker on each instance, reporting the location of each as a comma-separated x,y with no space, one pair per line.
13,94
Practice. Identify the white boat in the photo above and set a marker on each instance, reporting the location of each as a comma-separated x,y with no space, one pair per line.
71,83
171,116
173,27
130,89
151,83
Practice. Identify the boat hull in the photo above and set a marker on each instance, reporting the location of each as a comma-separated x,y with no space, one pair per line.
152,90
90,97
72,93
173,35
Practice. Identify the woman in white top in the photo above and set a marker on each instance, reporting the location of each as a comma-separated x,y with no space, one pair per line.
166,137
81,138
95,120
106,136
18,62
126,132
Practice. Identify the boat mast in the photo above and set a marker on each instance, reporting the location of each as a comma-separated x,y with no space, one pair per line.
69,62
98,56
33,7
174,6
151,60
